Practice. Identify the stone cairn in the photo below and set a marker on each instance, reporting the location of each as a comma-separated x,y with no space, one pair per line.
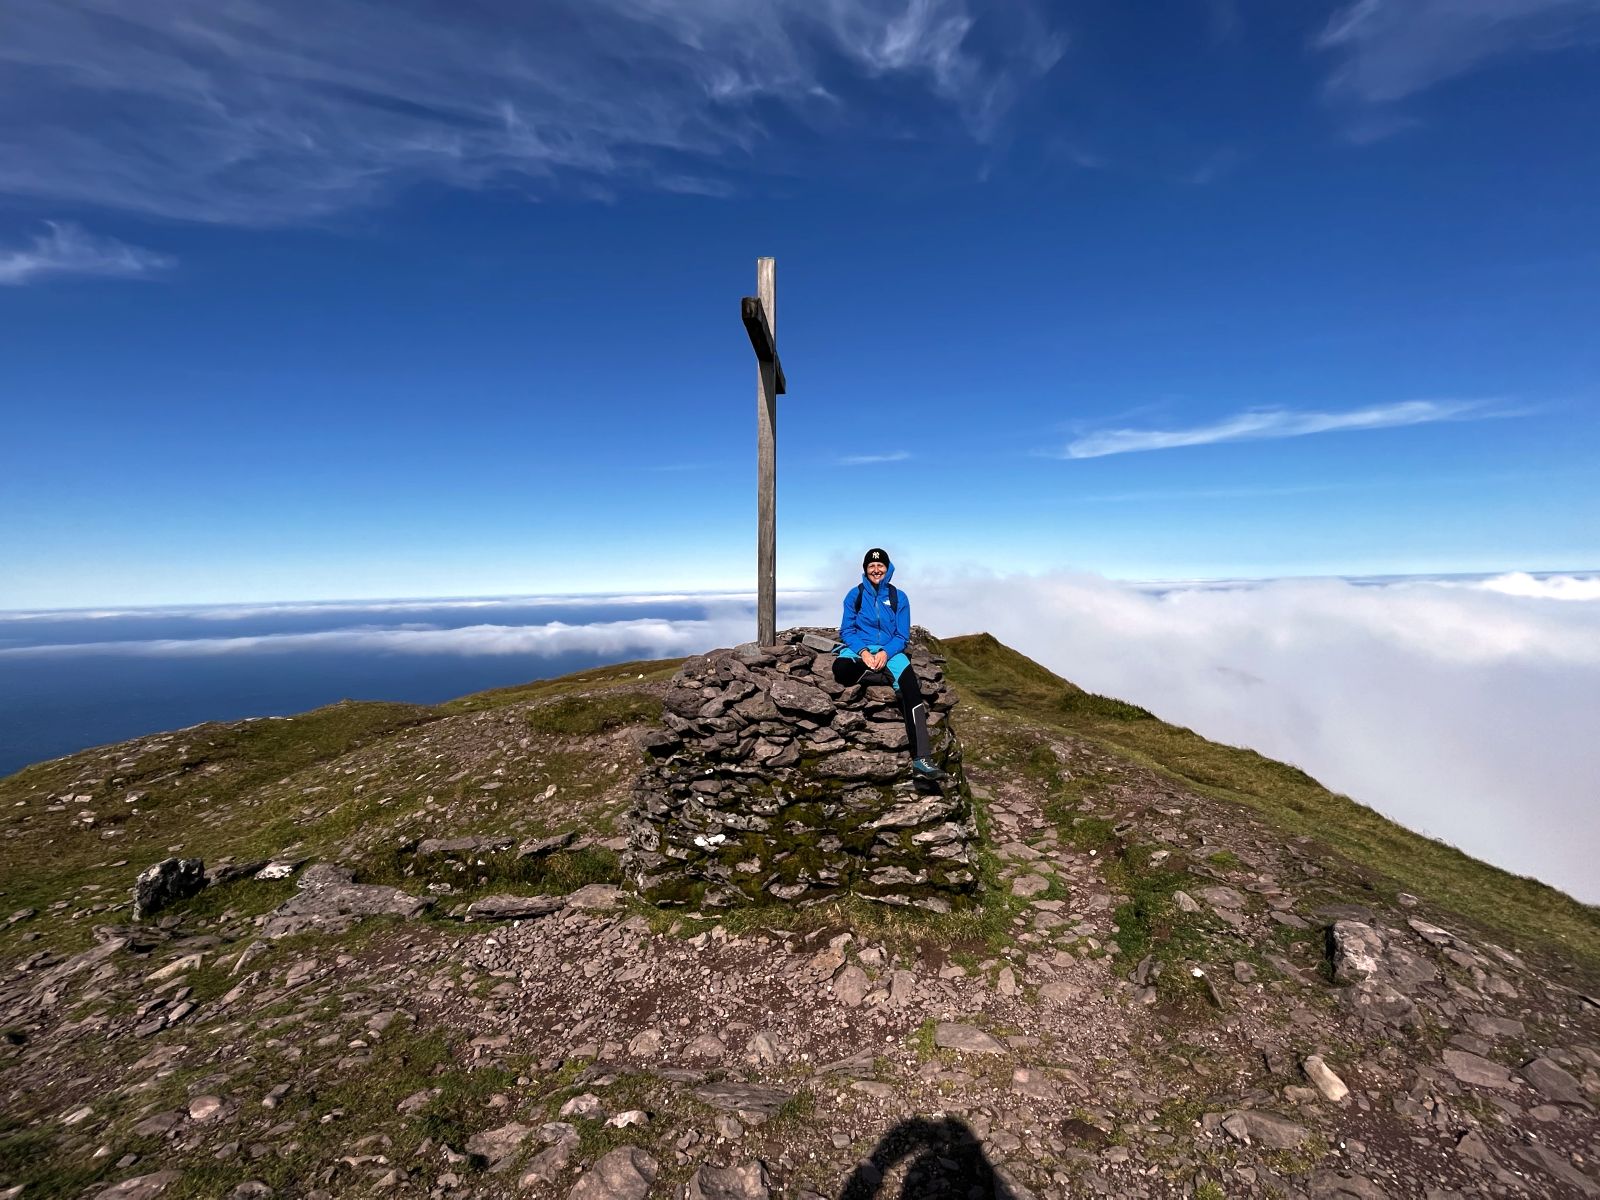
770,781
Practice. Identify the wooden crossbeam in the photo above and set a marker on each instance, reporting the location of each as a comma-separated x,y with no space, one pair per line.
754,315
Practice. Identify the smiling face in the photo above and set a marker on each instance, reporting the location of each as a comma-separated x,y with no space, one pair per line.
876,571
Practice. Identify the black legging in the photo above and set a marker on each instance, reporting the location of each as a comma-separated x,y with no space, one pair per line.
913,707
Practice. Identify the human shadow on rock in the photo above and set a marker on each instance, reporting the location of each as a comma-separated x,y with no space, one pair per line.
947,1163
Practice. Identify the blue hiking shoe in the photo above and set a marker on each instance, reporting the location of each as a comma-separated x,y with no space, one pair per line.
926,768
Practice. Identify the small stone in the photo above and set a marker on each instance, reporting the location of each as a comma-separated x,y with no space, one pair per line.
417,1101
1333,1088
1060,991
851,986
587,1105
205,1108
708,1047
159,1123
761,1049
646,1043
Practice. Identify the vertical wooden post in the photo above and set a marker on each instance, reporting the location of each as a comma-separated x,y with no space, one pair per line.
767,463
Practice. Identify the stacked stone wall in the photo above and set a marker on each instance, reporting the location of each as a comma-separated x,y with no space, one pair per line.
769,781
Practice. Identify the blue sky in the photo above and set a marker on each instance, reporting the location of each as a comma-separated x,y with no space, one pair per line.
351,299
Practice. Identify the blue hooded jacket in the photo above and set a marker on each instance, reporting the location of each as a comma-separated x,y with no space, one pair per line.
876,624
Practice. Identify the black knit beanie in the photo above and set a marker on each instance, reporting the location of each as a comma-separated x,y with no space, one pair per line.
875,555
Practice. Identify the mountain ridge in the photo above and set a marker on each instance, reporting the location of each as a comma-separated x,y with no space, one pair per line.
1196,918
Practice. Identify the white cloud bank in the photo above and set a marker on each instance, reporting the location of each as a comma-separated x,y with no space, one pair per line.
647,637
66,249
1466,712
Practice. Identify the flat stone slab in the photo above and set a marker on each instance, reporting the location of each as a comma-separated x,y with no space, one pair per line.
1029,885
951,1035
1264,1129
743,1098
465,845
1553,1082
542,846
747,1182
327,897
512,908
1542,1158
1222,897
595,897
140,1187
862,764
1478,1071
793,696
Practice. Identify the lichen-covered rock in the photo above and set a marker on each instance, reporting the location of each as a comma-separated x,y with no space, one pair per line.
170,880
771,781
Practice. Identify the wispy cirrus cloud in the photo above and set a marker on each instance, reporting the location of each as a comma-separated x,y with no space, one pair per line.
1390,49
66,249
260,112
869,460
1257,424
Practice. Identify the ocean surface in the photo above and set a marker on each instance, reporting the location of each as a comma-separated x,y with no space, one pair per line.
70,680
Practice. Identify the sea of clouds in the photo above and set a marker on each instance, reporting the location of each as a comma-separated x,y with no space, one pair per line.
1462,708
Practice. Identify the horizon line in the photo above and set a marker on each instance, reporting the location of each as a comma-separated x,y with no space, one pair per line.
485,599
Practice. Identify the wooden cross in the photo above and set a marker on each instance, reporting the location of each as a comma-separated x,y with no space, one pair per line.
760,315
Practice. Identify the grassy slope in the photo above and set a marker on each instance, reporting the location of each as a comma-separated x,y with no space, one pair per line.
236,790
1533,916
233,764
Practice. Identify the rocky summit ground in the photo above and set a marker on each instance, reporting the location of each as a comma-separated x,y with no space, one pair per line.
410,972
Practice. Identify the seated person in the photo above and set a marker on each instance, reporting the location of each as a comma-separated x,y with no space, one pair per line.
875,630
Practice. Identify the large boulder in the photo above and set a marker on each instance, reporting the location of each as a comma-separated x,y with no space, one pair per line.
170,880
